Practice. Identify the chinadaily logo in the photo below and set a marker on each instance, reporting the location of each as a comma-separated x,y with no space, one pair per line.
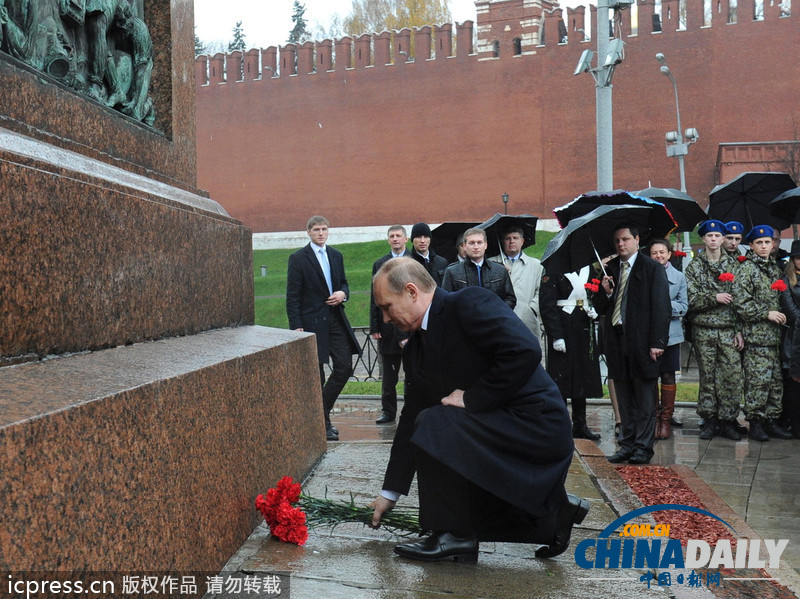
625,544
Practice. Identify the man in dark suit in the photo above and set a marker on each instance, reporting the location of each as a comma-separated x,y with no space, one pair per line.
483,425
637,311
316,289
390,340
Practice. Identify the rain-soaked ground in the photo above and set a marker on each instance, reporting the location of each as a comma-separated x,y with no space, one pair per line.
750,485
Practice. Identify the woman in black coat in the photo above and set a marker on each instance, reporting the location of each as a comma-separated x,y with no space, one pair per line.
572,356
790,352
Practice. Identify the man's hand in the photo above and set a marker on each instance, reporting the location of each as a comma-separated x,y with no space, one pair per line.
724,298
336,298
375,336
592,313
738,342
776,317
608,284
456,398
655,353
560,345
381,506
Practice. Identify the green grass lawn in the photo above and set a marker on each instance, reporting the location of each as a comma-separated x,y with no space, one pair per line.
270,294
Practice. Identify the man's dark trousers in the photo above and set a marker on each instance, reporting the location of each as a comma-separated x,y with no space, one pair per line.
637,398
341,359
390,376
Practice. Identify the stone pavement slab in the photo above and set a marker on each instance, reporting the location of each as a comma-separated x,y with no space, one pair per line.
352,561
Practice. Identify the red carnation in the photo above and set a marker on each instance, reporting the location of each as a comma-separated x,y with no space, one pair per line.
726,277
679,254
591,287
741,258
596,281
779,285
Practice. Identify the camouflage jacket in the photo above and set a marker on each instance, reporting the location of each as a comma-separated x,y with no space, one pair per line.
702,279
754,298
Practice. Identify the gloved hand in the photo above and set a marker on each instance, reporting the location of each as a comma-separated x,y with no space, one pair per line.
591,313
560,345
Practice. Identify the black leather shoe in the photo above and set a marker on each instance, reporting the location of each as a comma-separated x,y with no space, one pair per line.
639,457
584,432
385,418
331,434
710,429
675,422
728,430
330,427
620,456
440,546
756,432
571,513
775,430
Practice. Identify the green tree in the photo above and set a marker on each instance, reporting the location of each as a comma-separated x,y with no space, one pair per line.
299,32
237,43
199,46
371,16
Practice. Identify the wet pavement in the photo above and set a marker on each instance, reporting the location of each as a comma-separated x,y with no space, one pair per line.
753,486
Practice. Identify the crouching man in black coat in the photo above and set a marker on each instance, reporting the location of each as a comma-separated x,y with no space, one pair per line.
484,426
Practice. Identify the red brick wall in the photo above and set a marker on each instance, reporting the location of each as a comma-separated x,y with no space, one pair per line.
443,139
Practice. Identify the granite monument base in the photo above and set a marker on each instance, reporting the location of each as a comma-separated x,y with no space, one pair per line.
149,456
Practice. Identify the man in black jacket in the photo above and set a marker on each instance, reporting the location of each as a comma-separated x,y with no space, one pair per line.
637,309
424,254
483,425
316,289
390,340
476,271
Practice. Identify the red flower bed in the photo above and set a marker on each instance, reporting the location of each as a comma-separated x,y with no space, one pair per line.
655,485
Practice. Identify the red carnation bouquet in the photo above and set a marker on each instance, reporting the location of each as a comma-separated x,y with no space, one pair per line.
779,285
289,513
593,286
727,277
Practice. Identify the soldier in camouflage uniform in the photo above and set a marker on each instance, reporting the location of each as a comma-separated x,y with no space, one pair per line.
757,305
715,337
734,232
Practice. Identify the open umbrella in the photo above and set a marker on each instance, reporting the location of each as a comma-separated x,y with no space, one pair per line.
683,207
445,236
589,238
747,198
587,202
787,206
499,224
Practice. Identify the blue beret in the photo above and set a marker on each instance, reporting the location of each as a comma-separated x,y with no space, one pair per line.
760,231
734,228
711,226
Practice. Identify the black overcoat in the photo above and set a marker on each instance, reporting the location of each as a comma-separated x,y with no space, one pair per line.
306,292
514,438
645,323
576,371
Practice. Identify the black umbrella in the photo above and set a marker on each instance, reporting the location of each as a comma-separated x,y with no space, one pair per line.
498,225
747,198
587,202
683,207
589,238
445,236
787,206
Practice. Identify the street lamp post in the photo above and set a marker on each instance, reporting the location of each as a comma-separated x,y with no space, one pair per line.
609,55
678,142
505,202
